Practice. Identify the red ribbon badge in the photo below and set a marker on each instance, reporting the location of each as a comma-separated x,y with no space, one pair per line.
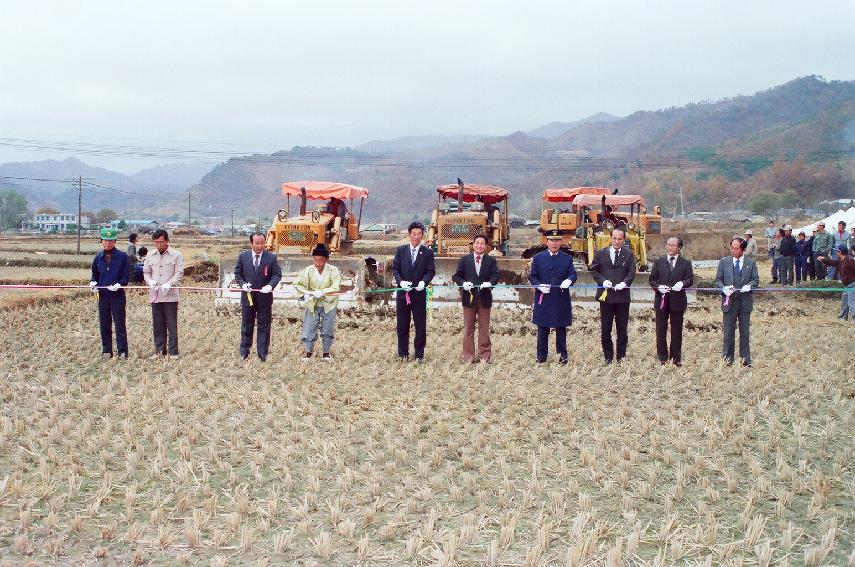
265,270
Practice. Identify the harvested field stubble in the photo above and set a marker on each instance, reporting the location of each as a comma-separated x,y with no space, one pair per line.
214,460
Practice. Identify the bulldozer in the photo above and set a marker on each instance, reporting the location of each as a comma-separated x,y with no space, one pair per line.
331,222
587,218
462,211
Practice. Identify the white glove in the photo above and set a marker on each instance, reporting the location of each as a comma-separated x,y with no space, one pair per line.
166,287
114,287
308,296
247,286
746,288
566,283
486,285
152,284
267,289
421,286
468,285
663,289
607,284
677,286
728,290
405,285
319,293
92,285
544,288
620,285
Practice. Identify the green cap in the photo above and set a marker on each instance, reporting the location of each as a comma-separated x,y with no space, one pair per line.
108,234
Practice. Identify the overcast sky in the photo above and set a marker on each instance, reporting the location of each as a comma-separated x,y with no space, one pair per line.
261,76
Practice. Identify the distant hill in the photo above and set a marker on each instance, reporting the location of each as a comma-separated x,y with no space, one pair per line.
555,129
791,145
117,191
410,143
794,140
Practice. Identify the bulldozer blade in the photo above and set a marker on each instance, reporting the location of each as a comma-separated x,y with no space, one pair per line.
355,273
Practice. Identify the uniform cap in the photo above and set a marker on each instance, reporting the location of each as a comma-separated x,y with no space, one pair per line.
109,234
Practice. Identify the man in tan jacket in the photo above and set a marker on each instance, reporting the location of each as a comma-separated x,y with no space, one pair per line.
162,272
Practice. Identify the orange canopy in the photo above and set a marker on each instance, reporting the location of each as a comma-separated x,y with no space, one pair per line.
486,194
324,190
611,200
567,194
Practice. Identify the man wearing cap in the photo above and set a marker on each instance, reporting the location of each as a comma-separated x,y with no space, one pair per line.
552,272
845,265
317,283
413,268
613,269
787,248
841,237
162,271
737,277
110,274
751,251
476,274
257,272
822,246
669,276
802,258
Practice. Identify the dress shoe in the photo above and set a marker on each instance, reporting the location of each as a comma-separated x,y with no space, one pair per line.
562,360
746,364
262,358
326,357
678,364
106,355
123,356
420,360
244,355
174,356
307,355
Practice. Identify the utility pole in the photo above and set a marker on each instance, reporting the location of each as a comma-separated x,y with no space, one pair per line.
79,209
188,211
682,209
233,222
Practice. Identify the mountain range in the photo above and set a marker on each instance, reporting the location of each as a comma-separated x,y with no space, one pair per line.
794,143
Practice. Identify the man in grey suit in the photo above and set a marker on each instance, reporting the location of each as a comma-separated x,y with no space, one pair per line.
736,278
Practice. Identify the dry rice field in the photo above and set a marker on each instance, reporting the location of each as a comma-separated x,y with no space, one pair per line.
213,460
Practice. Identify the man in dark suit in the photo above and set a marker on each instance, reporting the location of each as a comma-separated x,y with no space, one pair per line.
257,272
413,268
553,273
736,277
477,273
669,276
613,269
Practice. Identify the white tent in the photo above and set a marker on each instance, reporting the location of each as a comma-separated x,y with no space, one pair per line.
831,221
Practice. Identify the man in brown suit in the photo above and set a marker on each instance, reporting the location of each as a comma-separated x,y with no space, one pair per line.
669,276
476,274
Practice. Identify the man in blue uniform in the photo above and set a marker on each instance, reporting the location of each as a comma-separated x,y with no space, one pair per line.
109,274
553,273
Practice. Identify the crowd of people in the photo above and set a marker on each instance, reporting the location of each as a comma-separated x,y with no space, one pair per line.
552,274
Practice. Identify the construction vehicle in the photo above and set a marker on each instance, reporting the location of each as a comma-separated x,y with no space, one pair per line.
331,222
461,212
588,217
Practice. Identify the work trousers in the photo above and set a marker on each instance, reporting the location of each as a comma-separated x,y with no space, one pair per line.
543,343
417,311
731,319
819,267
847,302
776,265
164,320
616,314
802,268
786,269
111,311
318,319
676,350
262,314
480,316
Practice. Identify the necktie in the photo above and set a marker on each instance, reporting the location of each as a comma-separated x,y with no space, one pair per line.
413,255
737,271
478,264
257,256
673,261
477,259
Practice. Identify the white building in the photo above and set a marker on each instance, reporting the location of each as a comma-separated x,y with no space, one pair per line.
59,222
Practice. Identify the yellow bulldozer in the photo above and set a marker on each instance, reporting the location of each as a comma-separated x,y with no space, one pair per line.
463,210
585,217
293,237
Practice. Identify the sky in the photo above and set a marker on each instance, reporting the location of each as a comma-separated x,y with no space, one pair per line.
212,78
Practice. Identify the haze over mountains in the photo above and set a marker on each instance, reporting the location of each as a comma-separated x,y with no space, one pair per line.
792,144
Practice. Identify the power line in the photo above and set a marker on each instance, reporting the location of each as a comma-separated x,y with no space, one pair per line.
91,184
